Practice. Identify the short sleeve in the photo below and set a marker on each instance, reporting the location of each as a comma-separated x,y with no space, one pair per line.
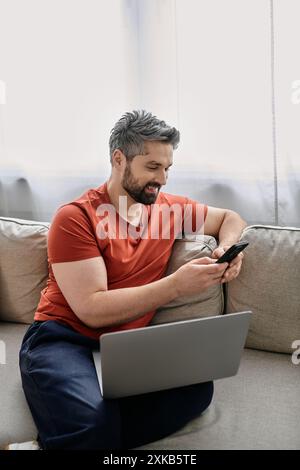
71,236
194,217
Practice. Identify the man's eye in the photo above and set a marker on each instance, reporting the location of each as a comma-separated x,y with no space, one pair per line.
155,168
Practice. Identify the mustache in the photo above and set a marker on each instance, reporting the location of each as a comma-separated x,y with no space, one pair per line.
155,185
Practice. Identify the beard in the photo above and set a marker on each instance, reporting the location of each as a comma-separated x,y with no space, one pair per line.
135,190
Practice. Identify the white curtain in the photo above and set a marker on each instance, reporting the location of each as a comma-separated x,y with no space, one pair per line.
70,69
224,72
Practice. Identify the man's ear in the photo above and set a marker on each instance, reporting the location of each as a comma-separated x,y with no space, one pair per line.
118,159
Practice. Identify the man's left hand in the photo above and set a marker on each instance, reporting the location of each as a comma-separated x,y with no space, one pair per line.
234,266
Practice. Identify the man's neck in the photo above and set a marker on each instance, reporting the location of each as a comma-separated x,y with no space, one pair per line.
131,210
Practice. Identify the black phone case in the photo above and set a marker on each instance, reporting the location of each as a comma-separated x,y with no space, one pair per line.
232,252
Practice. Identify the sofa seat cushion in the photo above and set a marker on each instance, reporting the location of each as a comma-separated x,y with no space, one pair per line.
202,304
268,285
16,421
259,408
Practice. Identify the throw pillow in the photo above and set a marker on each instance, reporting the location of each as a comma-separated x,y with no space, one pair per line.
23,267
203,304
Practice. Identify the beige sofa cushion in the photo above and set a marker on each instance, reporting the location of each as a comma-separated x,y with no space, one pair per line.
257,409
23,267
16,422
204,304
269,285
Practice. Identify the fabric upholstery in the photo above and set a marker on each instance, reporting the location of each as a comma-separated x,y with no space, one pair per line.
269,286
16,422
203,304
23,267
259,408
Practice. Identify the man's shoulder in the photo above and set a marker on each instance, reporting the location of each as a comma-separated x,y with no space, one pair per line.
87,201
170,199
83,208
98,194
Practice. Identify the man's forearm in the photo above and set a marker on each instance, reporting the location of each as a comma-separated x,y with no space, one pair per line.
117,306
231,228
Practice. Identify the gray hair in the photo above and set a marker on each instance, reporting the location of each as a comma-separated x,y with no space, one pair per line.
133,129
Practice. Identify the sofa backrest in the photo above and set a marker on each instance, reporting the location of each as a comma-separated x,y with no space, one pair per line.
269,285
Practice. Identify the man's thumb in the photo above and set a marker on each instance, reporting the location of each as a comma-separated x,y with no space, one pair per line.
218,252
204,260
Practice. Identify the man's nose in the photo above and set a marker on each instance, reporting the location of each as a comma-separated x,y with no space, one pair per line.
162,180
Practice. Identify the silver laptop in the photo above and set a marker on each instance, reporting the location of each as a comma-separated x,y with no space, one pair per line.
170,355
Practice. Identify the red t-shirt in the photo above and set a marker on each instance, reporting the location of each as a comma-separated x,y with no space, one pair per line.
80,230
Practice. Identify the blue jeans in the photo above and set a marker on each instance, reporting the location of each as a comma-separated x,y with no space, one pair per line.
62,390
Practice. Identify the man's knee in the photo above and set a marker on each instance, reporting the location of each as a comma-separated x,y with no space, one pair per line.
201,395
193,400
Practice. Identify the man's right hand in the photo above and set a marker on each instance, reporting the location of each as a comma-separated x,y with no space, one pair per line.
197,275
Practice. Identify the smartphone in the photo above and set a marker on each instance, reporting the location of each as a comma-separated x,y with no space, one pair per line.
232,252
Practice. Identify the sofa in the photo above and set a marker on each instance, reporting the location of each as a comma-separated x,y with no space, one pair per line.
259,408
